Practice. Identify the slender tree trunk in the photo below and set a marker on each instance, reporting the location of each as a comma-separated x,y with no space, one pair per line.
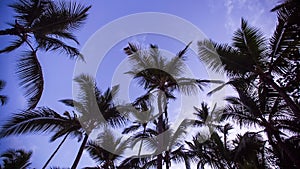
160,130
56,150
79,154
168,160
140,150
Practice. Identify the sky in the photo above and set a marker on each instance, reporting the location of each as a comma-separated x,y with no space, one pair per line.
217,19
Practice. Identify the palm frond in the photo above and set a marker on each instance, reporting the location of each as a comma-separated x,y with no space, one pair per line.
176,65
249,41
131,128
285,40
14,45
31,78
188,86
61,16
240,116
28,11
222,57
38,120
96,151
179,156
49,43
209,55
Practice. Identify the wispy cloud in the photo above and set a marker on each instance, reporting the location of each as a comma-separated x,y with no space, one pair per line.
257,12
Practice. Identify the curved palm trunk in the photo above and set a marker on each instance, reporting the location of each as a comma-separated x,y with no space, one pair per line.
56,150
79,154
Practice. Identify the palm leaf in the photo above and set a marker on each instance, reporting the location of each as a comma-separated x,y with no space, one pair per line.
49,43
61,16
131,128
14,45
28,11
37,120
31,78
249,41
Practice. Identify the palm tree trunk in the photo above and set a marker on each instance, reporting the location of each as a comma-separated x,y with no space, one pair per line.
56,150
79,154
167,158
160,130
140,150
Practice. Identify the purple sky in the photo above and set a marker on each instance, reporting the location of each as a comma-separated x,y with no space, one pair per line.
217,19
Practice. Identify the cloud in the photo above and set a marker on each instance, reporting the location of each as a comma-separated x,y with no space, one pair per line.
256,12
229,6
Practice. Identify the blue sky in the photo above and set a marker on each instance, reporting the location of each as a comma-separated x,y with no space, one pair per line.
217,19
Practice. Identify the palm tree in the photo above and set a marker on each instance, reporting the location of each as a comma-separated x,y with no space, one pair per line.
250,60
268,113
172,143
42,25
160,76
106,150
96,109
15,159
3,98
209,151
208,148
43,120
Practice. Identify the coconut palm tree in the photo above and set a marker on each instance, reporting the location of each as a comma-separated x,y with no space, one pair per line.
160,76
251,59
42,25
15,159
268,113
208,151
172,143
89,103
107,150
3,98
96,109
207,148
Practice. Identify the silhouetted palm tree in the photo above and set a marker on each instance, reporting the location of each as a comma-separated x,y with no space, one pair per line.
106,150
96,109
250,60
161,76
12,159
42,25
172,144
268,113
